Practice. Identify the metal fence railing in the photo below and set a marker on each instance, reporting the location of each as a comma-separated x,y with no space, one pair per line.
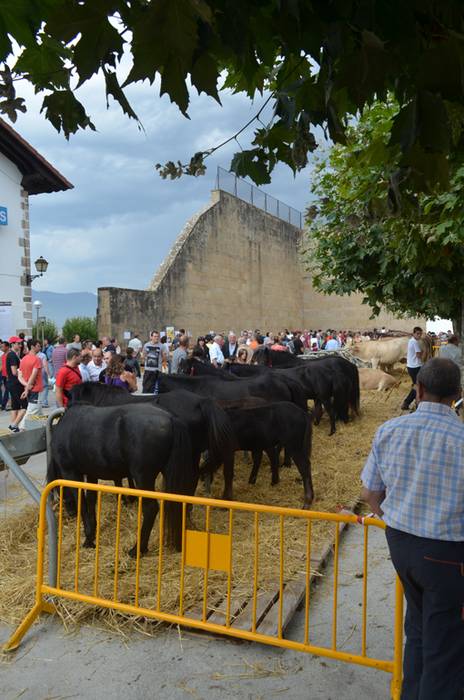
229,182
217,582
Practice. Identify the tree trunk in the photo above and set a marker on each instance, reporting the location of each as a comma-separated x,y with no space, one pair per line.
458,325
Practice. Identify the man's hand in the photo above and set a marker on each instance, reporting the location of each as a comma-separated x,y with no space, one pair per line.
374,499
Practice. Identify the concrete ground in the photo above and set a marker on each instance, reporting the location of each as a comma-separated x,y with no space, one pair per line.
90,663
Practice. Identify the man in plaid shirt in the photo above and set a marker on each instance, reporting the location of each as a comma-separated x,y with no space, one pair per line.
414,480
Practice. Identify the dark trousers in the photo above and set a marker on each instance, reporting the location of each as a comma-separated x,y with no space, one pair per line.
413,372
432,573
148,382
6,393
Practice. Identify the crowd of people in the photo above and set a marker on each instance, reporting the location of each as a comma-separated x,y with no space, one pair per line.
30,368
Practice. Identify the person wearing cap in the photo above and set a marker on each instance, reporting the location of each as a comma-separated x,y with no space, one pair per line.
414,480
18,402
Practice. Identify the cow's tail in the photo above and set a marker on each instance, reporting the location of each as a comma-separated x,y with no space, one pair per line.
308,436
180,477
355,394
341,395
298,395
221,437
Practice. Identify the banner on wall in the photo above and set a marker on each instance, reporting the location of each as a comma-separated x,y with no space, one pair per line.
6,320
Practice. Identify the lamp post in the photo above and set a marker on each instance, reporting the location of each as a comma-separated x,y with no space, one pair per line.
41,266
37,305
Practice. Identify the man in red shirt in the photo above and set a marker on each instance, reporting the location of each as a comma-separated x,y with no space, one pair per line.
30,376
68,376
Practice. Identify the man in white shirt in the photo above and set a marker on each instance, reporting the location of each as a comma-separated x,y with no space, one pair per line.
97,365
229,350
136,344
215,353
413,364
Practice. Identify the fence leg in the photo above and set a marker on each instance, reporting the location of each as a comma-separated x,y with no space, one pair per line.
17,636
397,679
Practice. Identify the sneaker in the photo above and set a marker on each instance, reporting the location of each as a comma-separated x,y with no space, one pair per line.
13,428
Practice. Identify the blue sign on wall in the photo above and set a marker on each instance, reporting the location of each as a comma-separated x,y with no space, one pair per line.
3,216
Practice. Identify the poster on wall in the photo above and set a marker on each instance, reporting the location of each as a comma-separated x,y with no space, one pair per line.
6,320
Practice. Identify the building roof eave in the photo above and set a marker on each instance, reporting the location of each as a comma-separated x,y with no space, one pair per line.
38,175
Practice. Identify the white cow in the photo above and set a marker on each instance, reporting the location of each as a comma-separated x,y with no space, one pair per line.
382,352
370,379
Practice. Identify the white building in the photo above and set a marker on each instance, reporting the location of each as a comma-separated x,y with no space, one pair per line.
23,172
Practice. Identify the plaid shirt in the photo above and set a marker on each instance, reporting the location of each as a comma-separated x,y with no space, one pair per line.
419,461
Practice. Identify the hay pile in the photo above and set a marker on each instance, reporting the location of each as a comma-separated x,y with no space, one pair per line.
337,462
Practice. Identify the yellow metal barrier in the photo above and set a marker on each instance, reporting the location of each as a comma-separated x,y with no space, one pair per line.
211,552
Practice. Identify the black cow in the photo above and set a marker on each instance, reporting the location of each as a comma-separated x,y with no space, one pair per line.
139,441
269,428
270,386
208,425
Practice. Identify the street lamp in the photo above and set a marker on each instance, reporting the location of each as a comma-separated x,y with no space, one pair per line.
37,305
41,266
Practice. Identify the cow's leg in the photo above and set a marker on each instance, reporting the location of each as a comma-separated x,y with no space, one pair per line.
257,456
303,464
228,469
328,405
273,454
88,514
131,485
317,413
287,458
207,472
149,512
87,520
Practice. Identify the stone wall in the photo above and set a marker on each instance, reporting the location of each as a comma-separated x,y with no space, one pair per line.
347,312
233,266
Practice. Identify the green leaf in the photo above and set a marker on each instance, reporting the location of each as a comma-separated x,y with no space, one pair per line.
205,76
114,89
251,164
45,64
65,112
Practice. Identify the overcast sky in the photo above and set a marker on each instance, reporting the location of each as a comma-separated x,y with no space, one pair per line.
120,220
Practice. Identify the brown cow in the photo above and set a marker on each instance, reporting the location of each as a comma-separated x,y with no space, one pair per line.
370,379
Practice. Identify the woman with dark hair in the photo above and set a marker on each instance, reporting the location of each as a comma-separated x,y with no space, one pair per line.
242,356
131,363
201,350
117,375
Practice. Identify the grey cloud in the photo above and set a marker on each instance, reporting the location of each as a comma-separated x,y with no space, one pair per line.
119,222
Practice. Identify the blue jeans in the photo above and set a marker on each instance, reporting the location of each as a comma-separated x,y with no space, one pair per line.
44,392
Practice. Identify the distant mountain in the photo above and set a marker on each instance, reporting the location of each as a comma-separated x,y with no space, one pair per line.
58,307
